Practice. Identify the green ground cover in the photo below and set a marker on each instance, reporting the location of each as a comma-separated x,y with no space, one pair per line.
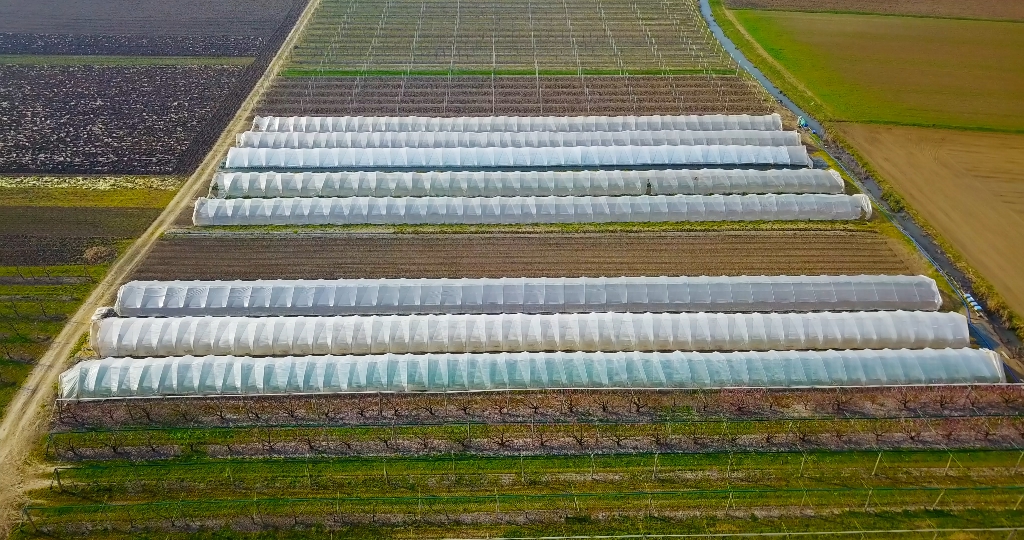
936,524
550,495
35,302
85,197
898,70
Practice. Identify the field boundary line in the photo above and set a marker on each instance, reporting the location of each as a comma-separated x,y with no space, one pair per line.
858,532
25,417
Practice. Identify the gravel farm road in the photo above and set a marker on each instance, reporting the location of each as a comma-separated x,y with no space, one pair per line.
26,418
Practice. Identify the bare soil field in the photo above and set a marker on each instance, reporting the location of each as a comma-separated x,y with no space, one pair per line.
984,9
48,235
965,184
148,17
130,45
525,95
35,250
111,119
289,256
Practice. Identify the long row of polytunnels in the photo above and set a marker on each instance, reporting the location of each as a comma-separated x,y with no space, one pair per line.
526,295
524,210
229,375
520,139
232,185
483,124
469,158
517,332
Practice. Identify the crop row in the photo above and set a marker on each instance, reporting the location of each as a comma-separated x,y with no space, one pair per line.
543,406
520,95
298,513
542,438
465,475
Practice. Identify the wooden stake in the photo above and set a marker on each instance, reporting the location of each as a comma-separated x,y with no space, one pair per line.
941,493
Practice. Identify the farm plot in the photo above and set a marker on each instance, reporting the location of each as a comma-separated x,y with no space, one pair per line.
172,28
989,9
513,95
523,255
902,70
520,37
112,119
57,242
510,496
38,292
966,184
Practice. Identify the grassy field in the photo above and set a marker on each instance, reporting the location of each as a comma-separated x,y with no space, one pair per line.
528,496
958,9
900,70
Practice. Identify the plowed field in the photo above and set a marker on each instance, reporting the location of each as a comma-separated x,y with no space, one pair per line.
967,185
978,9
522,255
485,96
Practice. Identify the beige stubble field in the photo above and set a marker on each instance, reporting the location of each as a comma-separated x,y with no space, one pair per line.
966,184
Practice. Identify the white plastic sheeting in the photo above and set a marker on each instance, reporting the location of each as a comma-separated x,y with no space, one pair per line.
480,124
526,295
231,185
516,210
230,375
526,139
579,156
269,336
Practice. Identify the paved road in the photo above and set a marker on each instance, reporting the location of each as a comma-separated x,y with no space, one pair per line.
989,331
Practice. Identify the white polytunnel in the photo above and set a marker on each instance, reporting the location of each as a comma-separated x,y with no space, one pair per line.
515,139
233,375
519,210
480,124
578,156
608,332
526,295
238,185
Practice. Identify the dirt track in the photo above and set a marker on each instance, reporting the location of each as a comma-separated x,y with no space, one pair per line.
966,184
524,255
26,416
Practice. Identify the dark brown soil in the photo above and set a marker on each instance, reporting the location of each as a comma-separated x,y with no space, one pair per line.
484,96
290,256
60,221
